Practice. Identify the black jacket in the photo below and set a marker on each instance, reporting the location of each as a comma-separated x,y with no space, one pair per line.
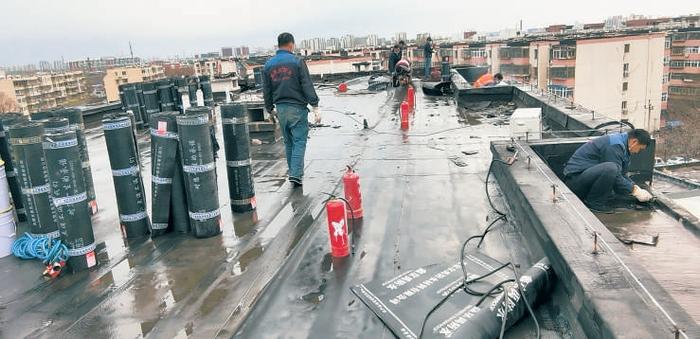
286,80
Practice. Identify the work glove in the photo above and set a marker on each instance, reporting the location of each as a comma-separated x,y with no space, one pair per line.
273,115
317,115
641,194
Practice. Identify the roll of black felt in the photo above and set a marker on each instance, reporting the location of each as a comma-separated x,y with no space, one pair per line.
30,166
70,198
76,123
7,120
123,158
199,169
238,163
164,151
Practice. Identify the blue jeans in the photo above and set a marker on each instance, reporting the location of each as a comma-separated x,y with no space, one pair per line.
428,62
294,122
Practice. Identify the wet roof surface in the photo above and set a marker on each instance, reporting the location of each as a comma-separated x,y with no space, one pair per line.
422,197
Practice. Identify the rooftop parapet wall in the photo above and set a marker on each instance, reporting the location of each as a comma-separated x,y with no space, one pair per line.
613,294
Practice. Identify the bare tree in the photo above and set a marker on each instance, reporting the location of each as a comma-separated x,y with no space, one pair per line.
7,104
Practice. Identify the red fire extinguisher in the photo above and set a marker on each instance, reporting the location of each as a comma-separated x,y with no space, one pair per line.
351,187
411,97
404,115
338,228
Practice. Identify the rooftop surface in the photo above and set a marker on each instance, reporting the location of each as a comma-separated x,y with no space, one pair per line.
270,273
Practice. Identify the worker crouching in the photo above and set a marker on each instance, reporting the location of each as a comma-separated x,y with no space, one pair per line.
599,168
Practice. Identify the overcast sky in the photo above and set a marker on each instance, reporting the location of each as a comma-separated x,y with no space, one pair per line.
34,30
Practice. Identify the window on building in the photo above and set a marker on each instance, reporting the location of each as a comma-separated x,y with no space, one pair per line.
692,50
627,48
536,53
123,72
664,97
624,86
626,70
624,107
667,44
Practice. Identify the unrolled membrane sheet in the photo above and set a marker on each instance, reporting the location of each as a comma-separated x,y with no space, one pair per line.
403,302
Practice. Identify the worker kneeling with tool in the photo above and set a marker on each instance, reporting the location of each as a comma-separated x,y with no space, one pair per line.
598,168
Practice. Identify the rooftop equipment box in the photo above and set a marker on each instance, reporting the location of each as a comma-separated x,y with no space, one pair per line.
526,123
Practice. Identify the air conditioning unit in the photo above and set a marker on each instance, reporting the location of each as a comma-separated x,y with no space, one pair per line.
526,123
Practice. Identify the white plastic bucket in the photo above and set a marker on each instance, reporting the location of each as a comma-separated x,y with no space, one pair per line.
4,188
7,232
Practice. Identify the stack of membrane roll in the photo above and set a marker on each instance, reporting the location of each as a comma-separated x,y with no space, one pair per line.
126,174
199,169
168,187
70,197
75,121
6,120
238,163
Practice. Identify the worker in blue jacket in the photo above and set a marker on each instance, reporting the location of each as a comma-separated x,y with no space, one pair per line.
287,90
599,167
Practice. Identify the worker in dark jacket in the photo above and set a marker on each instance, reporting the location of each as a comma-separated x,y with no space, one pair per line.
599,168
428,51
287,90
394,57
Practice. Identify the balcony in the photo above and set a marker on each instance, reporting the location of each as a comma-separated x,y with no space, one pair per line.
560,52
562,72
506,53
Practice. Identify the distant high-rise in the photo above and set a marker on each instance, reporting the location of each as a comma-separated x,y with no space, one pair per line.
226,52
372,40
400,36
347,41
242,52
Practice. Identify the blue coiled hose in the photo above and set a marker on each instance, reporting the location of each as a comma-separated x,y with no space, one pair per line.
49,250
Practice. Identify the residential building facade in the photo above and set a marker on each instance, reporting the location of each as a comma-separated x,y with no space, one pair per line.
44,91
117,76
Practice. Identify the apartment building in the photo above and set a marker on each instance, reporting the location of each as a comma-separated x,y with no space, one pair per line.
214,67
102,64
683,65
117,76
44,91
621,77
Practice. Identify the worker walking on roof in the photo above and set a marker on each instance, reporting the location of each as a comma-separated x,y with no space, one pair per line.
394,57
599,167
287,90
428,51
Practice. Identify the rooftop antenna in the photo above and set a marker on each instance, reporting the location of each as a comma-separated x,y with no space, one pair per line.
131,51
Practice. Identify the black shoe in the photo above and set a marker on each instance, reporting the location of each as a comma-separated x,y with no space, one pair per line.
600,208
296,182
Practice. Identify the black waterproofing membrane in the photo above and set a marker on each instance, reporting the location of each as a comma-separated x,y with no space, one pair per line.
30,166
212,128
179,213
130,100
165,95
199,169
403,302
192,87
150,99
234,120
205,85
164,164
126,173
70,198
55,124
7,120
76,123
180,89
